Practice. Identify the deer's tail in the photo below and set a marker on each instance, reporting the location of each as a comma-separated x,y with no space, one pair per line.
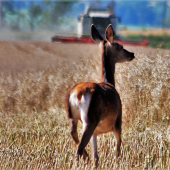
67,105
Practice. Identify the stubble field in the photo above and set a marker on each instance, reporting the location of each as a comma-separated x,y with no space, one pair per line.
34,131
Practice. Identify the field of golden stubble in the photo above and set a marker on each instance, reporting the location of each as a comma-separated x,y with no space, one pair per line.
34,131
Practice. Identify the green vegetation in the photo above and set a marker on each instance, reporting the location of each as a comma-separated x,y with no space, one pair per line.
156,41
24,15
49,14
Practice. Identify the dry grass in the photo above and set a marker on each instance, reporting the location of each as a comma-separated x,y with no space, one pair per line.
34,133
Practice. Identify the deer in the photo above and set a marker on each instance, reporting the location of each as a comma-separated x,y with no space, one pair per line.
98,105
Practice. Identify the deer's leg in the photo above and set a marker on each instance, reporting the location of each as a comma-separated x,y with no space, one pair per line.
88,130
90,115
94,148
117,134
74,133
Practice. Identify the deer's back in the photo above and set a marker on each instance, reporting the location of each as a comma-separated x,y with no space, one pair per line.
95,102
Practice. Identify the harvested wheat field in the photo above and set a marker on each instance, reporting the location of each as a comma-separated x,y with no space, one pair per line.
34,131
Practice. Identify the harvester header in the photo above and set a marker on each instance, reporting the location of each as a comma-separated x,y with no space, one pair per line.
101,18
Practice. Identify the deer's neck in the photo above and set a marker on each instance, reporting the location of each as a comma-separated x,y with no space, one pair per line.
108,70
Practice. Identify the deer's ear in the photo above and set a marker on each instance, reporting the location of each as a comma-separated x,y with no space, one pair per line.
110,33
95,34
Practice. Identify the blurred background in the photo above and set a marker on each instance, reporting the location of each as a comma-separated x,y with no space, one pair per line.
42,19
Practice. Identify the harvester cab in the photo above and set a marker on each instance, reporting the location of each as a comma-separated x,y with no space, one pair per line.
100,17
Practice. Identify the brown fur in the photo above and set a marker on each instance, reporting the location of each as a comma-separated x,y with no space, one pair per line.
98,105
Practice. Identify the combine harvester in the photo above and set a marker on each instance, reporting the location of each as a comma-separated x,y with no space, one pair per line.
101,18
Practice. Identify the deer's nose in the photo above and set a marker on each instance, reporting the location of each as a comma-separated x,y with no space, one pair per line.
132,56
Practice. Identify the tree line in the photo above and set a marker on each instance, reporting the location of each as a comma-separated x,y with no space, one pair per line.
49,14
32,14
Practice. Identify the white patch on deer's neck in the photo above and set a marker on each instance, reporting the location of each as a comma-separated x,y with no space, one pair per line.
109,44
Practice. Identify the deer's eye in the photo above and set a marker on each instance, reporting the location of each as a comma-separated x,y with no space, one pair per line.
120,47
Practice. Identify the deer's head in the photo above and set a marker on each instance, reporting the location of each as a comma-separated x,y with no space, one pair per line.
112,50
